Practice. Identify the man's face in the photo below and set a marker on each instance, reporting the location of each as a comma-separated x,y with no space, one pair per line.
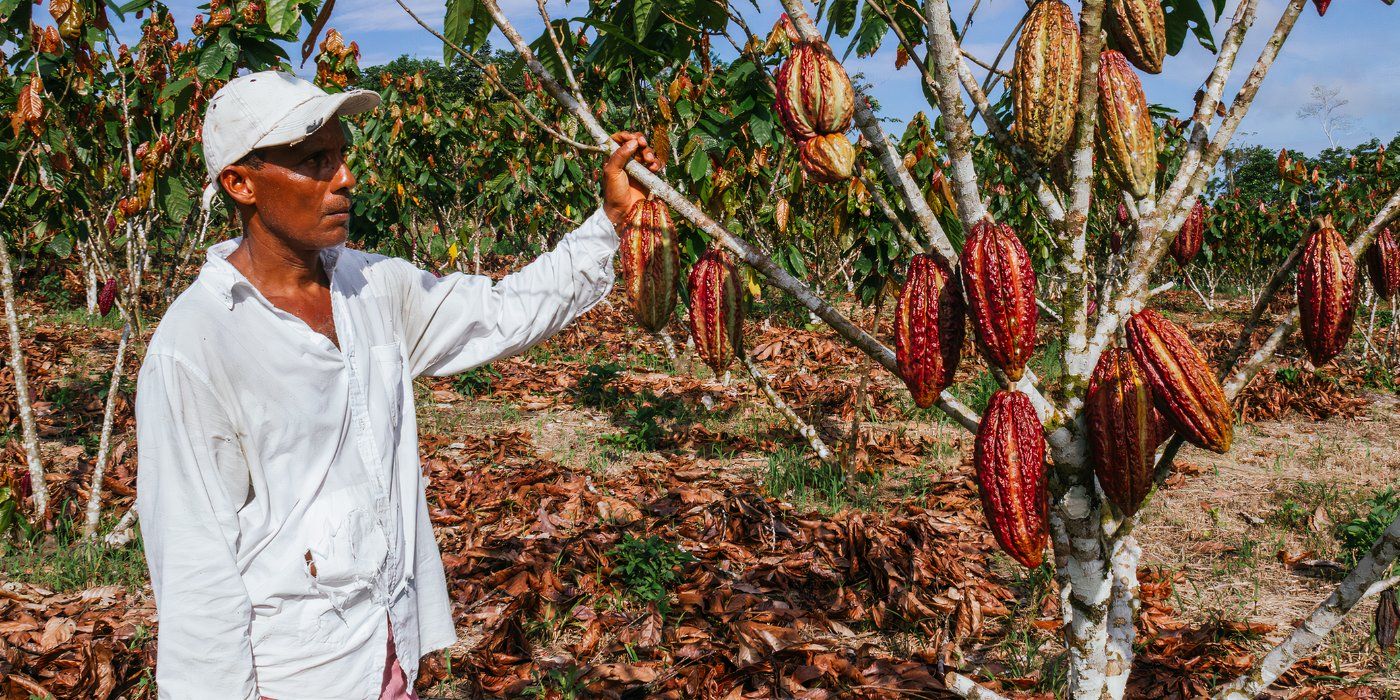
301,193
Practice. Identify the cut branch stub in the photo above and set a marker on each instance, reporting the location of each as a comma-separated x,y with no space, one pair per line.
814,93
1000,285
651,263
716,309
1009,455
930,327
1187,244
1183,385
1124,427
1326,292
1126,141
1383,264
1046,85
1139,30
828,157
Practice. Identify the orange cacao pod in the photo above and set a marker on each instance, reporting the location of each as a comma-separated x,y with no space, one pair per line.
929,328
828,158
1000,286
651,264
1326,292
1123,429
1046,87
814,93
1187,244
1183,386
1009,455
1139,30
1383,264
716,309
1127,144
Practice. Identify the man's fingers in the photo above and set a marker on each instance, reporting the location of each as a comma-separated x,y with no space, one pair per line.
632,144
627,148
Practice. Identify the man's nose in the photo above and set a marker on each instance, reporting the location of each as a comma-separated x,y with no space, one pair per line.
344,179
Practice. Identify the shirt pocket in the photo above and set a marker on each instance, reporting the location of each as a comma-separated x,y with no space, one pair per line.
345,556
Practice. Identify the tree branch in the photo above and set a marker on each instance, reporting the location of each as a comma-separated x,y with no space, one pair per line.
957,131
968,688
1309,634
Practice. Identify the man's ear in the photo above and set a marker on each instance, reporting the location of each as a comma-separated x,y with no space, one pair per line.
238,184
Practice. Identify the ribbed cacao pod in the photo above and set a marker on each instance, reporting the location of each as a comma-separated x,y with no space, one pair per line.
814,93
1046,85
651,265
1000,286
1187,244
1387,618
716,309
1326,292
1123,429
828,158
1322,5
929,329
1127,144
1009,456
1183,385
1139,30
1383,264
106,297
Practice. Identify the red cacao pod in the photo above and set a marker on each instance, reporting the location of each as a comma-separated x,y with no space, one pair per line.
1046,88
1183,385
1123,429
1139,30
1387,618
651,265
814,94
1326,292
828,158
106,297
1126,141
1009,456
1321,6
1187,244
1383,264
1000,286
716,309
929,328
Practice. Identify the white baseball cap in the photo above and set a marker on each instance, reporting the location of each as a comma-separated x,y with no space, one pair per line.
270,108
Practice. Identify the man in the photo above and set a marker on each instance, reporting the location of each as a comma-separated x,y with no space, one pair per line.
279,489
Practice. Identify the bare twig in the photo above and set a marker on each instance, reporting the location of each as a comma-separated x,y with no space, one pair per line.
802,427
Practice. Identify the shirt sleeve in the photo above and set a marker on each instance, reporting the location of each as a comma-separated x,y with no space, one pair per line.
191,480
461,321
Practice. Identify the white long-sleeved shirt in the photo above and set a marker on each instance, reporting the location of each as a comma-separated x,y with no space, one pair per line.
279,490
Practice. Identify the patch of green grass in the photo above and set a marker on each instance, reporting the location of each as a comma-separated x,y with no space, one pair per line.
1374,516
475,381
803,481
63,561
649,568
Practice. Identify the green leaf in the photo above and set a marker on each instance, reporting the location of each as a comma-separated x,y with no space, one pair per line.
177,203
1183,16
281,15
644,16
61,245
699,165
841,17
456,26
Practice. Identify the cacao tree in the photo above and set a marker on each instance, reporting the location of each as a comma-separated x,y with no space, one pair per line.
1085,142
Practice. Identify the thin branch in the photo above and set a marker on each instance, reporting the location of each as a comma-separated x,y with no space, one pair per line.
1256,314
957,132
983,64
1308,635
802,427
559,52
878,8
884,205
968,688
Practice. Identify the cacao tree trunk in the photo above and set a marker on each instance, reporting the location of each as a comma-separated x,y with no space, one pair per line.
28,424
94,505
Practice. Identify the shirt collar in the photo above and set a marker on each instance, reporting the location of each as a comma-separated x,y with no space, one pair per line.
222,278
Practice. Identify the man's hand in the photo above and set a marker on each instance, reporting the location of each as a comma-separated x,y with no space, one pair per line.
620,191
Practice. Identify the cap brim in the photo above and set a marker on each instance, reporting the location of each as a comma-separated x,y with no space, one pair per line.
307,118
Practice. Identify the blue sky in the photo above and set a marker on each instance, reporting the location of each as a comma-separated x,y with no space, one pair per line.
1354,49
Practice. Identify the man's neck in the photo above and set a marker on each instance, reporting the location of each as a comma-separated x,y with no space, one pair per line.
276,269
